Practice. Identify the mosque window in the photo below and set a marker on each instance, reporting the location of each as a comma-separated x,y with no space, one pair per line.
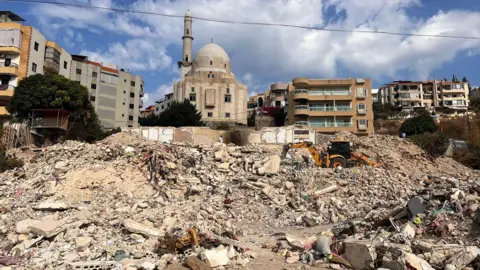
225,65
228,98
188,31
193,97
211,63
228,90
213,75
227,115
186,58
193,89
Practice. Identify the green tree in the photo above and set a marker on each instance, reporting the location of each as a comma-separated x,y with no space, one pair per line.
179,114
454,78
464,79
53,91
419,124
385,111
475,104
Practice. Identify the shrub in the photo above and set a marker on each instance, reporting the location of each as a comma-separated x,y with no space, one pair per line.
453,128
418,125
222,126
434,144
468,157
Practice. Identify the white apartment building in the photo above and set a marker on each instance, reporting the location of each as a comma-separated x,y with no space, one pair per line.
162,104
116,94
427,94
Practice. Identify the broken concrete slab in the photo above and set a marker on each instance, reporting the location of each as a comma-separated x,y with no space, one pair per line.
462,258
416,263
83,243
360,253
271,166
48,228
52,206
136,227
216,257
23,226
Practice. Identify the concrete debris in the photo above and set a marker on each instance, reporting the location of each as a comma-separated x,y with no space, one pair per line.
132,202
136,227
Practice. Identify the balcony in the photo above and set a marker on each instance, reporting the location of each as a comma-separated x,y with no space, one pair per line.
331,111
51,66
10,49
361,111
330,94
301,82
9,69
301,110
330,127
362,126
301,123
300,94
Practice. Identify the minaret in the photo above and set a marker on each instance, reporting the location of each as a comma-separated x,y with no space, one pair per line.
187,57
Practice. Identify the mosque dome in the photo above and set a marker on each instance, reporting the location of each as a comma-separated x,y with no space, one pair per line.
211,56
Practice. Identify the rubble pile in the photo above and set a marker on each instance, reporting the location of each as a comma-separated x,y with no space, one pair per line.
139,204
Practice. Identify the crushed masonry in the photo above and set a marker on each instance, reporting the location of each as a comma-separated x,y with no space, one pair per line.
130,203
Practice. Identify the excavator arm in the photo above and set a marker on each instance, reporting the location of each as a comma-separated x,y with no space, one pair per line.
365,159
308,145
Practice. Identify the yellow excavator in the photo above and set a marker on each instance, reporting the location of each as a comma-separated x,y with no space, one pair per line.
338,154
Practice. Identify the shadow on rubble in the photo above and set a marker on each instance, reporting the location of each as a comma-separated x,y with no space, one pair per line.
475,227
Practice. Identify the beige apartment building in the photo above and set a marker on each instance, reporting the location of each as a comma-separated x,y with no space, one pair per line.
331,105
410,95
209,83
115,94
24,51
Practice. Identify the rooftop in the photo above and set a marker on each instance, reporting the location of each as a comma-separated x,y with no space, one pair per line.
12,16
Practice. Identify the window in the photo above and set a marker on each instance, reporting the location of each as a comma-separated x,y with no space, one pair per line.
278,103
228,90
227,115
163,106
125,80
130,126
79,71
8,62
34,67
193,89
92,98
193,97
209,75
211,63
188,31
225,65
123,103
35,47
94,74
132,94
362,122
132,106
124,92
93,86
213,75
130,117
132,83
65,64
228,98
123,115
186,58
361,106
210,114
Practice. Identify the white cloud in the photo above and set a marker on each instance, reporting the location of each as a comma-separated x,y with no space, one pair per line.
277,53
135,54
159,93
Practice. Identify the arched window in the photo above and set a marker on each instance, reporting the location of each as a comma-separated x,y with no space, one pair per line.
188,31
225,65
186,58
211,63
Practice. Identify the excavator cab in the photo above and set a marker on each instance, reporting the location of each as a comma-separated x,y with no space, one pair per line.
341,148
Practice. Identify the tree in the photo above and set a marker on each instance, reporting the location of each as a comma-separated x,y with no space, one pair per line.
464,79
454,78
179,114
385,111
475,104
419,124
53,91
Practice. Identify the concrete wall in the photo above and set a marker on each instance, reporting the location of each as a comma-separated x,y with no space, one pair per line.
205,136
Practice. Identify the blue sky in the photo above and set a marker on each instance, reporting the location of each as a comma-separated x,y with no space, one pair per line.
150,46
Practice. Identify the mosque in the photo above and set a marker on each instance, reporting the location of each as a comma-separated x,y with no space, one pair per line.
208,82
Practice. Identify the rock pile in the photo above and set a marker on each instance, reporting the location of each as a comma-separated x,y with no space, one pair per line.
116,202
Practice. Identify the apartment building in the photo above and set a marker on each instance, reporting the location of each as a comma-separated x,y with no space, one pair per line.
331,105
277,95
410,95
162,104
115,94
24,51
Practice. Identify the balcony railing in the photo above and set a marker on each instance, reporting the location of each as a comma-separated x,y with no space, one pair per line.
301,107
4,87
2,64
345,92
300,91
329,124
301,123
331,109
